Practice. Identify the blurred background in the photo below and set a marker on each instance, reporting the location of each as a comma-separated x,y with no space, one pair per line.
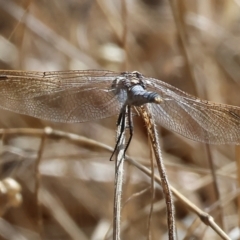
193,45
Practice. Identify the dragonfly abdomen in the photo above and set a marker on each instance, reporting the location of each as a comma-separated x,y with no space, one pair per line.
138,96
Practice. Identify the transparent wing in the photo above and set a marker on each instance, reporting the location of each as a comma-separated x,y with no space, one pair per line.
197,119
71,96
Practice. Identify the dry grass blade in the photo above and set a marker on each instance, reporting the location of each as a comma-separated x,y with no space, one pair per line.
152,190
146,114
119,164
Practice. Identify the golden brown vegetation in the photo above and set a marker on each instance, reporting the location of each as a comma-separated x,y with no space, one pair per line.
193,45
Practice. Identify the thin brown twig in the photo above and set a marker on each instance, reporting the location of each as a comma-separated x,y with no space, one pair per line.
145,112
215,186
135,195
152,192
119,164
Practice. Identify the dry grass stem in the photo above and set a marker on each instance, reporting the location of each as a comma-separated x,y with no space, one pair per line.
153,135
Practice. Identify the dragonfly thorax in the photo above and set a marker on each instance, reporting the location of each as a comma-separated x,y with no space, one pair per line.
131,90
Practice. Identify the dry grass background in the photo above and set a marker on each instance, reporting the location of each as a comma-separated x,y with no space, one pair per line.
193,46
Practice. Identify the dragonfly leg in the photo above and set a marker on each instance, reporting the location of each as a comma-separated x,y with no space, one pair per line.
130,125
121,121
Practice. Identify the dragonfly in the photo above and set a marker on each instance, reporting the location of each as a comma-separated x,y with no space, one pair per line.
87,95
